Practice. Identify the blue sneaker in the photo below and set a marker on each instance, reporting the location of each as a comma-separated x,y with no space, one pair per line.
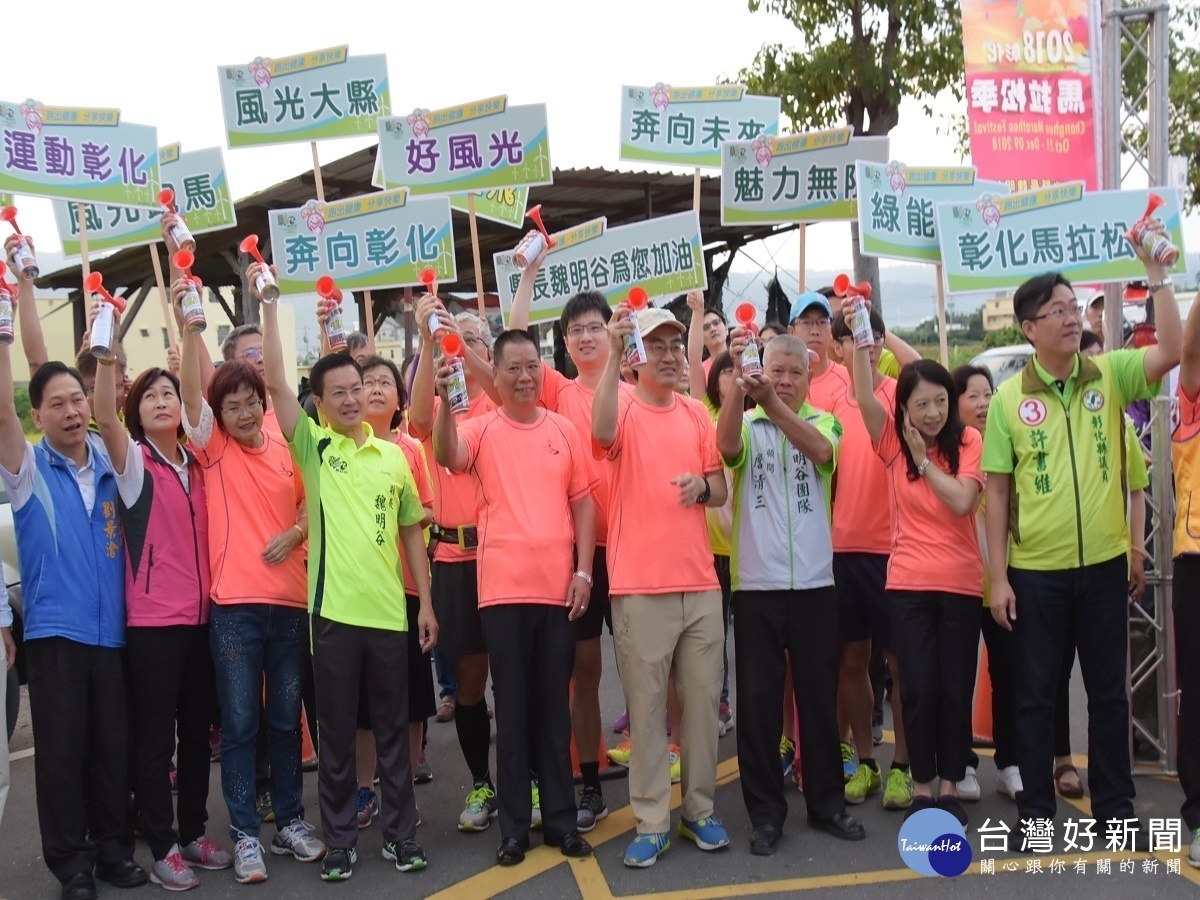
849,765
707,834
645,850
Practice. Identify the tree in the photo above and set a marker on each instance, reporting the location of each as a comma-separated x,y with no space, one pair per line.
854,62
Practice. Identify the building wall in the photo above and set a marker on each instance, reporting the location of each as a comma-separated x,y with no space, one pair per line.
998,313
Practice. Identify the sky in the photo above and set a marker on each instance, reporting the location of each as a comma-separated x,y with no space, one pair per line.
158,64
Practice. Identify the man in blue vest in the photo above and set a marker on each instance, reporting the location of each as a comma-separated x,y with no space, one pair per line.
64,501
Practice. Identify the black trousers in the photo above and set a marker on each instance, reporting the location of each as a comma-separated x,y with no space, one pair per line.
935,637
1186,609
531,648
804,624
1093,601
341,656
1062,702
173,687
80,717
1004,707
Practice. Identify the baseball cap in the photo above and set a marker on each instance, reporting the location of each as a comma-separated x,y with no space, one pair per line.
653,317
807,300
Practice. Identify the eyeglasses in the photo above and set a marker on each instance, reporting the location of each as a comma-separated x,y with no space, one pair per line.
1058,314
812,323
658,348
474,339
382,383
875,336
594,329
251,353
339,396
249,406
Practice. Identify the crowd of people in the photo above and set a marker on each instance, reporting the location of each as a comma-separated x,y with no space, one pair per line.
201,549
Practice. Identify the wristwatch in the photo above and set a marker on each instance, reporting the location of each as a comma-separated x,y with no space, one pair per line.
706,494
586,577
1158,286
923,466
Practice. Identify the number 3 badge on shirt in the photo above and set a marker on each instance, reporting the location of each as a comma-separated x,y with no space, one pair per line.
1032,412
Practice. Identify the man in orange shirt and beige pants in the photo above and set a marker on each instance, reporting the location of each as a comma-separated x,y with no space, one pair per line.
534,482
665,469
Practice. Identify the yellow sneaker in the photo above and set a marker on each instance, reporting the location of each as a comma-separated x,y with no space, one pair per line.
866,781
619,755
676,767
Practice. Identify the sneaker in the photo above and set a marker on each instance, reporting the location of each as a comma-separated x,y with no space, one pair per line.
423,774
724,719
898,794
1193,857
645,849
787,754
172,872
621,724
339,864
866,781
849,766
446,709
536,822
368,806
592,809
619,755
300,840
262,804
676,765
876,735
480,809
408,857
1009,782
249,867
205,854
214,743
968,788
707,834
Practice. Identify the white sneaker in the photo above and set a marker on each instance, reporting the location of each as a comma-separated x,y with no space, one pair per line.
968,788
172,872
299,839
1009,782
1194,850
249,867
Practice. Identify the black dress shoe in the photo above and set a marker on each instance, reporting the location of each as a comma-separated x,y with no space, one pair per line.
764,840
79,887
841,825
125,874
511,852
572,845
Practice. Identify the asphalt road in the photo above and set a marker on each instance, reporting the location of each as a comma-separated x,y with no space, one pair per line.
461,865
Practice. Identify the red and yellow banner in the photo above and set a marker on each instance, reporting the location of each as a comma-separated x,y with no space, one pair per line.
1033,83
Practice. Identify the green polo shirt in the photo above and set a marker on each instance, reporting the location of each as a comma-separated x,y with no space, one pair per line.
358,498
1065,450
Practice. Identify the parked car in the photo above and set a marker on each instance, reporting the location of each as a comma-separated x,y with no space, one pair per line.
1004,362
12,579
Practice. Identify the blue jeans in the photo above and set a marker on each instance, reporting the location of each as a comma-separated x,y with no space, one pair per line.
447,678
250,641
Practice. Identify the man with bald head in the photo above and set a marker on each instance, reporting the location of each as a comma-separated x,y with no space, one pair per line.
782,454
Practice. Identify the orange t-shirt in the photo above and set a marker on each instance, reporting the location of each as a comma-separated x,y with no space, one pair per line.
526,477
253,495
270,423
655,545
862,522
824,389
933,549
415,454
453,493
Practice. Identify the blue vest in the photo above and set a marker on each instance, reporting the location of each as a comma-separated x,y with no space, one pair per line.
72,564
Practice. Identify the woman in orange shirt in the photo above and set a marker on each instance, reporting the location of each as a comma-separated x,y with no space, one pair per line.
935,571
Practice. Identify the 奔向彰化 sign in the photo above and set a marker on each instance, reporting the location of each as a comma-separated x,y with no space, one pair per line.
374,241
307,97
896,203
997,242
201,195
85,155
794,178
686,126
664,256
478,146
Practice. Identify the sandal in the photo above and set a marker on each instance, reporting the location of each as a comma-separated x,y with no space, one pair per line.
1069,791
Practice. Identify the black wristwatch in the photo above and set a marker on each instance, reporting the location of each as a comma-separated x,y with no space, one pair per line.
706,495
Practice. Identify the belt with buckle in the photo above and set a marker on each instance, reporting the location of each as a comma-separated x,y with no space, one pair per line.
465,536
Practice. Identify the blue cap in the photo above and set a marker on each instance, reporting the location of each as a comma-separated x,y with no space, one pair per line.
807,300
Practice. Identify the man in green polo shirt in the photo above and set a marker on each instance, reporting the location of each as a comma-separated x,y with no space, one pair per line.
1057,533
362,501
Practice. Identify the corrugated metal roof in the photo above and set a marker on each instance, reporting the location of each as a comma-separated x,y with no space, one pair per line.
576,196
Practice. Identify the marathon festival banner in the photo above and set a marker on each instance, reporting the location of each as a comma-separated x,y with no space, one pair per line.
664,256
1033,90
72,153
378,240
307,97
896,206
795,178
474,147
686,126
504,206
998,242
201,195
